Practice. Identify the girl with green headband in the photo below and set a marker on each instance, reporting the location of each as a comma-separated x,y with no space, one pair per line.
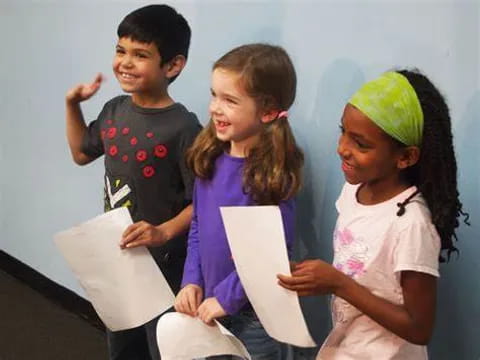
398,209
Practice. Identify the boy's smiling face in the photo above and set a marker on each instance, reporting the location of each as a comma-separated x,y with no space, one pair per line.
137,68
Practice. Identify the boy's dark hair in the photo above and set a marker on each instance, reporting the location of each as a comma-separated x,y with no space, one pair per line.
435,174
161,25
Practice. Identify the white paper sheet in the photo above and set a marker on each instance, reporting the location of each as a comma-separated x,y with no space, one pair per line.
257,241
126,287
182,337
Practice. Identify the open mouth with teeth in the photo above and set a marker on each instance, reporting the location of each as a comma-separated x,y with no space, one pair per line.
127,76
221,124
347,167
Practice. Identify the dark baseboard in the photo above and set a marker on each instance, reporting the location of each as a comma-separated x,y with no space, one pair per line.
58,294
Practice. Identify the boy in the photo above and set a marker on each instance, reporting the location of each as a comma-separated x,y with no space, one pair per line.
144,137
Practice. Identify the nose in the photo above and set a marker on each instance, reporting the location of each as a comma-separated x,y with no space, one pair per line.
126,61
214,106
343,147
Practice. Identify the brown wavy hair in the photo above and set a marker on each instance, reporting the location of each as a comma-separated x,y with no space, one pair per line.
273,166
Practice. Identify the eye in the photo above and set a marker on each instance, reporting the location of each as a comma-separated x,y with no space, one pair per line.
361,145
141,55
231,101
119,51
342,129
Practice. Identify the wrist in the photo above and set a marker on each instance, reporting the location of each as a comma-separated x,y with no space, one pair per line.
70,101
344,283
166,230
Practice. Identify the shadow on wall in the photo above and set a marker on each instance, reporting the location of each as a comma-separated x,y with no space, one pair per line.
316,203
227,32
456,331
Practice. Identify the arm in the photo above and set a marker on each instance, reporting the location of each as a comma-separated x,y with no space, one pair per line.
191,294
75,126
412,321
145,234
229,298
230,295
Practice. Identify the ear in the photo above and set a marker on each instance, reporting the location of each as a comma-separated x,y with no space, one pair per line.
409,157
269,116
175,66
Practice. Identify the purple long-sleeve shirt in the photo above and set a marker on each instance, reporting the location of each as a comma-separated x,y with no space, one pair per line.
209,262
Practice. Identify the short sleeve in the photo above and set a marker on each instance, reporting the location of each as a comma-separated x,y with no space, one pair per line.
186,140
418,249
92,144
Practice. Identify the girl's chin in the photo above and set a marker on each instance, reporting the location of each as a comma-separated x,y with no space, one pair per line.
351,180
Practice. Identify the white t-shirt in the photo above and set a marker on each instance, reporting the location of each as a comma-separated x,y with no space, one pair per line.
373,245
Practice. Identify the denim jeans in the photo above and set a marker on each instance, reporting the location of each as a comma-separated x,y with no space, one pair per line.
248,329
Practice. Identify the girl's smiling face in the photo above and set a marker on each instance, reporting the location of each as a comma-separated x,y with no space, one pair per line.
369,156
234,113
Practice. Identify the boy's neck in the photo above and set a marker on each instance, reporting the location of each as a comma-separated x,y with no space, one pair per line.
159,100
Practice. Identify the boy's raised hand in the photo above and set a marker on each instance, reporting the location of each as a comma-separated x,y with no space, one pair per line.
83,92
188,299
144,234
209,310
312,277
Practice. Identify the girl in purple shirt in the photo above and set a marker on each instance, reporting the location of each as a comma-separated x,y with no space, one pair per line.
247,155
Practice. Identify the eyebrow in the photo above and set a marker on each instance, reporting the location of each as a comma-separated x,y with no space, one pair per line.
135,49
226,95
356,135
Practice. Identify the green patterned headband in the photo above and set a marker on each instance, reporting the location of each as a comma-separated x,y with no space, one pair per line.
392,103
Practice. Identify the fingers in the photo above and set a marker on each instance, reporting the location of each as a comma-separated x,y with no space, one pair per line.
199,298
209,310
84,91
189,299
205,314
292,280
181,305
95,84
299,284
193,301
131,236
99,78
300,289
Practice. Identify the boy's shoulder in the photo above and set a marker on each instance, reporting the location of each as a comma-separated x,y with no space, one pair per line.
189,118
120,100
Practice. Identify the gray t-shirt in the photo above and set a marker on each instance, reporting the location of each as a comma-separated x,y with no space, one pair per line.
145,168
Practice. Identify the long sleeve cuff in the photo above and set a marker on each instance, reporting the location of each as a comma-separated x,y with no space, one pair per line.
231,295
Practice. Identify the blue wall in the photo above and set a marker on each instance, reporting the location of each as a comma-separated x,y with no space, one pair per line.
50,45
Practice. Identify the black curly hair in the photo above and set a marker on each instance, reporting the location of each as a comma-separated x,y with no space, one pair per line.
435,174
